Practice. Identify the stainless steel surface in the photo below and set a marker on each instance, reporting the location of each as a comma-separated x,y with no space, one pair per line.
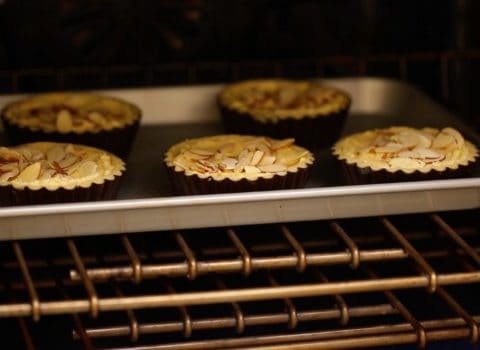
171,114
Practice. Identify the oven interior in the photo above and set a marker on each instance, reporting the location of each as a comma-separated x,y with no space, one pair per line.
349,283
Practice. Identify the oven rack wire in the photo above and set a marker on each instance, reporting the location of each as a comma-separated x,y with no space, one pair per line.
86,285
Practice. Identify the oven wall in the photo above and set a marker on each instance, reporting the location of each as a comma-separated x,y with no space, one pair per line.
66,44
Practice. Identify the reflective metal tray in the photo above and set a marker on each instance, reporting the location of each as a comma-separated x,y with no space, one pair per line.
145,202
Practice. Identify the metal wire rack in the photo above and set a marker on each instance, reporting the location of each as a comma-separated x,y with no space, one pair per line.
329,284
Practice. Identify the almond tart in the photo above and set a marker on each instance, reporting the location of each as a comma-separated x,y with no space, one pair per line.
237,163
402,153
310,112
47,172
81,118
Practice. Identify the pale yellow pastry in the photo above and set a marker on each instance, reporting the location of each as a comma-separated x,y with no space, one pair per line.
407,150
310,112
273,100
45,168
81,118
216,163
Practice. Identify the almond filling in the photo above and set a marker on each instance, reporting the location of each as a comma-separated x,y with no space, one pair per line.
235,157
53,165
407,149
272,99
66,113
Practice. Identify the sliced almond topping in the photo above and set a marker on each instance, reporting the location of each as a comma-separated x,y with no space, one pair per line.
202,152
30,173
229,149
272,168
443,140
229,163
84,169
282,143
9,167
8,175
97,117
456,135
68,161
64,121
408,140
421,153
257,157
389,148
55,154
191,155
251,169
244,158
182,162
267,160
47,174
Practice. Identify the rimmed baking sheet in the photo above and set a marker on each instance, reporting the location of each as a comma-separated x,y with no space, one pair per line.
145,202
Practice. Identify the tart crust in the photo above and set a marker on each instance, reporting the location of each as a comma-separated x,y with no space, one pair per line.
236,163
83,118
312,113
47,172
405,154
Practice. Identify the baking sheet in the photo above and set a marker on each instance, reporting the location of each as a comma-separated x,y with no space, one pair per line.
145,202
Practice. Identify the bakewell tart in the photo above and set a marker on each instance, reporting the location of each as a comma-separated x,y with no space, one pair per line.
81,118
402,153
237,163
310,112
46,172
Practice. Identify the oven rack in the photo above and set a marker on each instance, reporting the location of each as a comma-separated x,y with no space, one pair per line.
133,264
323,284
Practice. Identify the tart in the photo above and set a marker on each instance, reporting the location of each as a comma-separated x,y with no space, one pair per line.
237,163
312,113
82,118
47,172
403,154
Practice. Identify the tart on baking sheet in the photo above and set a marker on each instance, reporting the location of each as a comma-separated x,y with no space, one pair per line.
82,118
310,112
403,153
47,172
236,163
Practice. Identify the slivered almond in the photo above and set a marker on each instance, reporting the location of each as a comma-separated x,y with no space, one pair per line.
8,175
421,153
425,140
64,121
251,169
56,154
47,174
84,169
181,162
443,140
30,173
244,158
407,139
389,148
194,156
9,166
229,163
97,118
272,168
456,135
68,161
202,152
282,143
257,157
267,160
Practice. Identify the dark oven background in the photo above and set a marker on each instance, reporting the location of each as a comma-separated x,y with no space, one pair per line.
85,44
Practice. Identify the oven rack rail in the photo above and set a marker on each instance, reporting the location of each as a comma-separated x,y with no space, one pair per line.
86,278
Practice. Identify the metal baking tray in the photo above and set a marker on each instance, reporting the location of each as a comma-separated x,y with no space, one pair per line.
171,114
